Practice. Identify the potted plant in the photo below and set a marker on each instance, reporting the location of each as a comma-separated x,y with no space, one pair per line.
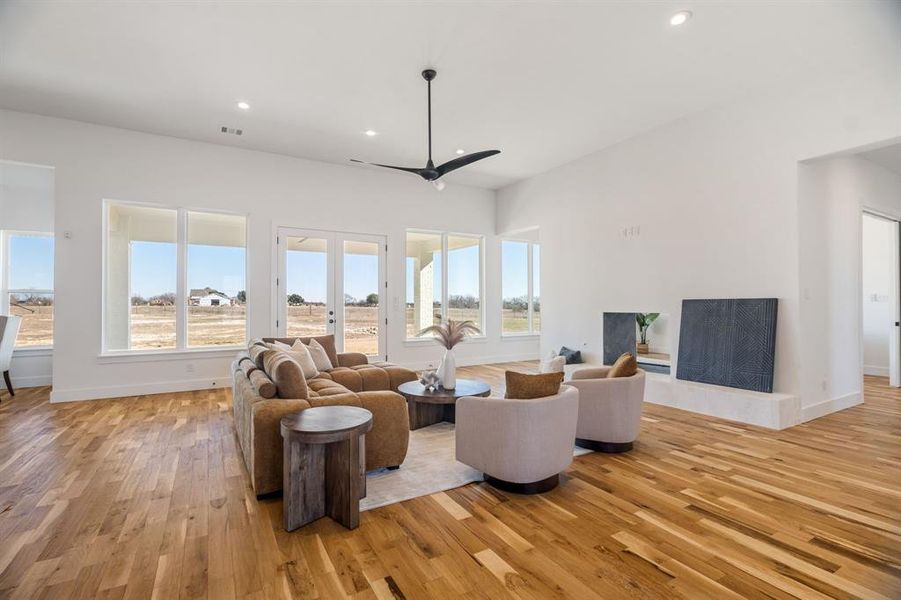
449,335
644,321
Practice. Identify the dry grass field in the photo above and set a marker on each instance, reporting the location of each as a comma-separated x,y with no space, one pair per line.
154,326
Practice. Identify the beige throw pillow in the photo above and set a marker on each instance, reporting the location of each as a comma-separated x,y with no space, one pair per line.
320,356
301,356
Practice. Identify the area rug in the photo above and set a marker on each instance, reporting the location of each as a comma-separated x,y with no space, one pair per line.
430,467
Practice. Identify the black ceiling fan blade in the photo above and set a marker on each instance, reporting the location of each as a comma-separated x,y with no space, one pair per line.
452,165
407,169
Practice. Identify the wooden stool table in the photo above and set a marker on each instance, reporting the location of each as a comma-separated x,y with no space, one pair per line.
428,407
324,464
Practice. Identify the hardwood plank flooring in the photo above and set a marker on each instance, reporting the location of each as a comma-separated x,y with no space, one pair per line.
147,497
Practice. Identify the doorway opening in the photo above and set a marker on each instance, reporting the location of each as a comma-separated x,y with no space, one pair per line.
880,302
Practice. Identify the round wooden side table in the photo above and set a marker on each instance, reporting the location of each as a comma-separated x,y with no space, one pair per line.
428,407
324,464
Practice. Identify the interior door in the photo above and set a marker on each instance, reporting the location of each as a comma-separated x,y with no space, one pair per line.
333,282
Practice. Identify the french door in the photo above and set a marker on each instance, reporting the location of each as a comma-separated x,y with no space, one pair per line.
333,282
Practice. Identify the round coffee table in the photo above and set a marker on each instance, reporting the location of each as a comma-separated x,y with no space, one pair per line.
324,469
428,407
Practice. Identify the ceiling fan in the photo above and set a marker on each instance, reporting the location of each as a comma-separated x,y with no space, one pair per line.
430,172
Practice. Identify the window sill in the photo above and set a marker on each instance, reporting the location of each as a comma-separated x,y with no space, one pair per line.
33,351
515,337
132,356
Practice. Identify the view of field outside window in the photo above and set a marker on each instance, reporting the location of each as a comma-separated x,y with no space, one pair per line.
217,310
306,282
423,281
30,287
464,279
142,273
515,287
361,297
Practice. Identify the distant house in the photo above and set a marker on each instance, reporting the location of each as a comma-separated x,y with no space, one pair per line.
209,297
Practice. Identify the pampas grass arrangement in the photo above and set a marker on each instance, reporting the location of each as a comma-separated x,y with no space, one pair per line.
451,333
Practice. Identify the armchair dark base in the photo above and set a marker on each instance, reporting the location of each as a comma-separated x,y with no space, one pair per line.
535,487
608,447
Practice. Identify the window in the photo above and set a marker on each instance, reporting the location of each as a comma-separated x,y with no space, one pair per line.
216,297
27,284
444,279
520,295
148,251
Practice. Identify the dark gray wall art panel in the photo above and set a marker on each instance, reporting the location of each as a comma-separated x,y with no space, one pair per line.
728,342
619,335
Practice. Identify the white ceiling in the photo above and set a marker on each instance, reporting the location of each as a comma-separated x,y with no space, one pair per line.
888,157
545,83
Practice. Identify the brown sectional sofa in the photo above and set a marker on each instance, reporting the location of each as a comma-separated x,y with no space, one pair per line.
354,382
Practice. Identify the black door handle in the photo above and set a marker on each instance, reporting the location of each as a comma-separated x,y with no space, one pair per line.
331,320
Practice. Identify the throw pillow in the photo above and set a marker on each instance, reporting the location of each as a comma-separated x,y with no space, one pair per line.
300,354
573,357
625,366
257,353
286,374
320,356
262,384
523,386
553,364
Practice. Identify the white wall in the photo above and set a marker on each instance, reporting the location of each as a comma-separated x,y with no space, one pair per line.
94,162
832,194
715,197
878,317
26,204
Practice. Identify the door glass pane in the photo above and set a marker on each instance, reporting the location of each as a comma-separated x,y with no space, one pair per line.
536,288
515,286
36,311
30,262
306,285
215,269
361,297
140,277
423,269
464,279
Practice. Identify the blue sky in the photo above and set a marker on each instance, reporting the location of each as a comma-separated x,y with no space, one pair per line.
153,268
222,268
31,262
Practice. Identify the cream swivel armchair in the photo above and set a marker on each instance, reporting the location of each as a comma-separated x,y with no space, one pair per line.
9,329
520,445
609,409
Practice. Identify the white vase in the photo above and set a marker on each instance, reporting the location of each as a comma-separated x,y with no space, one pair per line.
447,370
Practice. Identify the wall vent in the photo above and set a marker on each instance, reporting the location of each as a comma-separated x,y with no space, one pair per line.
231,130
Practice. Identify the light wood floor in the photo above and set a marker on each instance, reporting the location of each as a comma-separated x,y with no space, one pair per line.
147,497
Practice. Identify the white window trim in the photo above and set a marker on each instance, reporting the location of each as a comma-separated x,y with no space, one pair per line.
5,290
530,291
181,300
413,341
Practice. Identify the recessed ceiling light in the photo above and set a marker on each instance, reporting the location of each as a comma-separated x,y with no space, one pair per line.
461,151
680,18
243,105
370,132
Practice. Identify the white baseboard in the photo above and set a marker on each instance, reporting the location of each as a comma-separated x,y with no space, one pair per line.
875,370
27,382
826,407
476,360
143,389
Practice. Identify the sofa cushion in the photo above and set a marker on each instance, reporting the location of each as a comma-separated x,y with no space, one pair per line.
286,374
326,341
523,386
262,384
573,357
257,355
625,366
300,354
320,356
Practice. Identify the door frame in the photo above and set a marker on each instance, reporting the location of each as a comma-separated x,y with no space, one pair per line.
335,281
